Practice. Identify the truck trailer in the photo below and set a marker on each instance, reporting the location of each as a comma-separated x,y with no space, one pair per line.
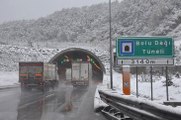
37,75
81,73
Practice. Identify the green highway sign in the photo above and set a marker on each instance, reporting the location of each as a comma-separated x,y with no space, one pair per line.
144,47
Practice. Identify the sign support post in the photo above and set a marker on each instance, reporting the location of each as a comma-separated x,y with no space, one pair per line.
151,83
136,81
166,72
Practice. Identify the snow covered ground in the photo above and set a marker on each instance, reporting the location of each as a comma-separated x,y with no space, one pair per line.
159,90
8,79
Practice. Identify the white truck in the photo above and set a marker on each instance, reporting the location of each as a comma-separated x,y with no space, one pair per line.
68,74
81,73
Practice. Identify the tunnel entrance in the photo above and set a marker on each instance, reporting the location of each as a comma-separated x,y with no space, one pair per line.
66,58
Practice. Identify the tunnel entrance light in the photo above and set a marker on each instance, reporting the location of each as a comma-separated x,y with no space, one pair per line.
62,62
91,60
65,59
88,58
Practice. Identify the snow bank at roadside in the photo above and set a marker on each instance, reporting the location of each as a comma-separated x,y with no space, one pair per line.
159,90
98,103
8,78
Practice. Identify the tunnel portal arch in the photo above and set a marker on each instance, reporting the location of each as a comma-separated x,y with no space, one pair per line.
79,54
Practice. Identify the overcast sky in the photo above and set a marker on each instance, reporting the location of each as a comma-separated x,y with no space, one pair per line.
33,9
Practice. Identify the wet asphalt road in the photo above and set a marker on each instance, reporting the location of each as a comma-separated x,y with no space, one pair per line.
9,100
35,105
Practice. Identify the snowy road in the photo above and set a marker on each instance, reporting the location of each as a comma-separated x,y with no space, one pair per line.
15,105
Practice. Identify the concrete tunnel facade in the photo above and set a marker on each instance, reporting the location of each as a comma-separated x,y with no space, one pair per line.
64,59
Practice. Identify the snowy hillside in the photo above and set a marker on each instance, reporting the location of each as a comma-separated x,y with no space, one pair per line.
90,24
39,39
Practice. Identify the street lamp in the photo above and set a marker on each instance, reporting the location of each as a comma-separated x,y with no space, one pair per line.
110,38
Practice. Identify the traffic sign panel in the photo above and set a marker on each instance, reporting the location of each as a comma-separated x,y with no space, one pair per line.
140,62
144,47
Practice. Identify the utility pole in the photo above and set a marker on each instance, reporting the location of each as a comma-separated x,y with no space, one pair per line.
110,37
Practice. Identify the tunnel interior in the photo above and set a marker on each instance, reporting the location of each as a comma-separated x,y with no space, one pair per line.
64,60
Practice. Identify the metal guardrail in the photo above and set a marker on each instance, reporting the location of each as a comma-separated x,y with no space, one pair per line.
139,109
114,114
172,103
